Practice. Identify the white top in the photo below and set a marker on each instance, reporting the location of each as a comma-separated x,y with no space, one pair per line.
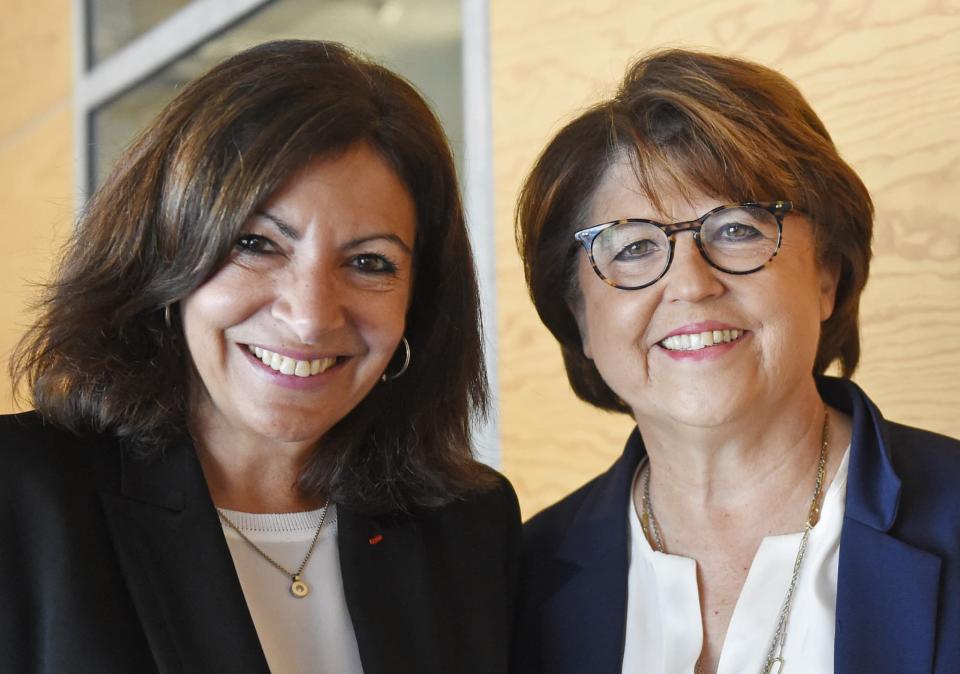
298,636
664,625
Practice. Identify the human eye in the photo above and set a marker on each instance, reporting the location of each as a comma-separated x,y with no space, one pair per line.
374,263
636,250
736,231
739,226
255,244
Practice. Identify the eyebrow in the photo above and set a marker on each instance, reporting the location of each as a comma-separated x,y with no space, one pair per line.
285,229
291,233
387,237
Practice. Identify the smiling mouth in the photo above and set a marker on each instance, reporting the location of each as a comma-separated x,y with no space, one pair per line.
292,366
700,340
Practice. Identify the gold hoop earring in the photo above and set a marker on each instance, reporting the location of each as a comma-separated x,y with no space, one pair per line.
406,363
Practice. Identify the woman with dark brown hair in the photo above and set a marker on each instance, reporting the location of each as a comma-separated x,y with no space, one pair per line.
698,247
254,378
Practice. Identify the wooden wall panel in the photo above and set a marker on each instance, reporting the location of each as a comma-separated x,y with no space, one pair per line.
36,165
885,78
36,59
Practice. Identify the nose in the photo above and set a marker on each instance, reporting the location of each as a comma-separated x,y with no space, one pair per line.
310,304
690,277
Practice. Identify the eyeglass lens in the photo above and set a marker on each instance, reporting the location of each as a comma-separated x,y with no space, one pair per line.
738,239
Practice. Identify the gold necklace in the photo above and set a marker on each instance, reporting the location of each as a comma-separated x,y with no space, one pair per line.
298,587
648,522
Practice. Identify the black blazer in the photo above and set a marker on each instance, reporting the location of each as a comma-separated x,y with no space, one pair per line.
112,564
898,588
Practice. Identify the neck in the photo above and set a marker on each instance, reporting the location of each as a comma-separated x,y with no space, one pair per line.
754,473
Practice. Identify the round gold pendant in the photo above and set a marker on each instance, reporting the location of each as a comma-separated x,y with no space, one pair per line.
298,588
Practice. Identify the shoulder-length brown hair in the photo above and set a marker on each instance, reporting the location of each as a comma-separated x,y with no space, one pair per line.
101,356
694,121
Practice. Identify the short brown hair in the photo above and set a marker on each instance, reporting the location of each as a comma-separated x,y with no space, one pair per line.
697,122
102,357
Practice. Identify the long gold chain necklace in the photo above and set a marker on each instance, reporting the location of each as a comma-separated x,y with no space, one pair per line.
774,662
298,587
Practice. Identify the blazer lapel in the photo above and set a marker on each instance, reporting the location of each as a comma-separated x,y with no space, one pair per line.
587,613
887,590
178,568
387,585
886,604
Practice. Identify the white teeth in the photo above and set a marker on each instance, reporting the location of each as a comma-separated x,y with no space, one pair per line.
699,340
292,366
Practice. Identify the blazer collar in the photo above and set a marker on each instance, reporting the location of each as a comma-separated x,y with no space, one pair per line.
600,524
390,593
178,568
184,586
887,590
588,612
873,487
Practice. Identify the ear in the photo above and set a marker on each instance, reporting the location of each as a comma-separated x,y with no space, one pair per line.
829,273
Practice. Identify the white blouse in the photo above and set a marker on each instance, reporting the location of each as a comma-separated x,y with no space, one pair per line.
298,636
664,625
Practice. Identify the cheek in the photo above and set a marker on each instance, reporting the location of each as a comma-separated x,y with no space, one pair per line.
383,317
226,299
613,325
222,302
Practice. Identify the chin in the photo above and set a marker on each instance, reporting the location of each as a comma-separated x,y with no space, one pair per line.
700,409
281,427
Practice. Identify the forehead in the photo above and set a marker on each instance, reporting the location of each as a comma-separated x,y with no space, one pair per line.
622,194
355,188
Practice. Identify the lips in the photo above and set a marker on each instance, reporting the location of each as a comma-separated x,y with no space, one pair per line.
292,366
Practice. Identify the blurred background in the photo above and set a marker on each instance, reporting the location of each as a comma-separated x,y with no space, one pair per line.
82,77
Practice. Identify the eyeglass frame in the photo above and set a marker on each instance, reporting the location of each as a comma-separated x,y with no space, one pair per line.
586,237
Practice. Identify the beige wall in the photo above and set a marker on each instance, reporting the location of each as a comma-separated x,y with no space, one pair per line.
885,77
36,168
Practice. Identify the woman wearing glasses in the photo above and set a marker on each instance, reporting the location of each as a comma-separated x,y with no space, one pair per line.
698,247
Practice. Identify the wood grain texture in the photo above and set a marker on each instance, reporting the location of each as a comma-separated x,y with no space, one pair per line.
885,78
36,164
36,60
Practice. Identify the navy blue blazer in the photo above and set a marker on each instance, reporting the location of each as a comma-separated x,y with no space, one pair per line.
898,594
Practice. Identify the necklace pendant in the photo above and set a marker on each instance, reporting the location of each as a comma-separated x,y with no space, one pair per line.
774,666
299,588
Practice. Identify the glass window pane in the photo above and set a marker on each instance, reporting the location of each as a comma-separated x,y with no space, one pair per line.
420,39
115,23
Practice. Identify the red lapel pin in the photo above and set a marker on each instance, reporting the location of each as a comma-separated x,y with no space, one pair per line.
375,539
